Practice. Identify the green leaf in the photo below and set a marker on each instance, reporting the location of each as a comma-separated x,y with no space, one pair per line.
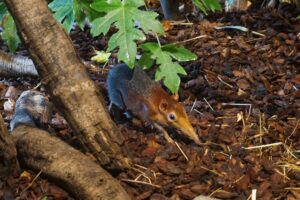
147,21
101,57
63,10
179,53
146,61
123,15
135,3
44,197
68,22
82,9
126,39
200,6
3,10
79,12
204,5
106,6
213,5
10,35
57,4
169,73
150,46
102,25
168,70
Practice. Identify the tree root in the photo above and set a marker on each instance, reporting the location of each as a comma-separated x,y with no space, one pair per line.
68,167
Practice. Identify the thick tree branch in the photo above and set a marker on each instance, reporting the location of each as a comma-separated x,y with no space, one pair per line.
8,153
65,165
67,80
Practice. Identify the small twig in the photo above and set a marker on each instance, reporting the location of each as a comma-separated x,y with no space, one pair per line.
182,152
240,178
220,79
263,146
110,106
253,194
290,166
191,39
145,168
260,127
138,170
193,106
257,33
243,120
212,171
197,111
219,125
164,132
295,88
240,104
292,188
146,177
225,154
249,197
140,182
105,64
208,143
294,130
255,136
37,86
140,166
291,53
290,152
229,151
30,184
211,194
157,39
282,174
208,104
249,111
236,104
260,131
180,23
226,117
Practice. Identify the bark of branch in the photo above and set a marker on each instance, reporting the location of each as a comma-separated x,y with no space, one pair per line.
8,154
65,165
64,74
15,65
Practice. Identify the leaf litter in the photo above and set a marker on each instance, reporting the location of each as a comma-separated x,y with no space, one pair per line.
243,98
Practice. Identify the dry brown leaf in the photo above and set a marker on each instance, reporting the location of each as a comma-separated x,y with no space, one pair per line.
243,84
167,25
166,166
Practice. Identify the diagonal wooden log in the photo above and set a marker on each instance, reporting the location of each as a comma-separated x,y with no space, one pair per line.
65,165
71,89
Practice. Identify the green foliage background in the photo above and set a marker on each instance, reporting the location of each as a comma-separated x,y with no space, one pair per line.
132,22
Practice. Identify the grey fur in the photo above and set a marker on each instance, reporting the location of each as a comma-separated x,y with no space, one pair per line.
116,84
30,107
121,78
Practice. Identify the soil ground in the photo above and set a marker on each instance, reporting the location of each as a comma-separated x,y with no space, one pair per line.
242,96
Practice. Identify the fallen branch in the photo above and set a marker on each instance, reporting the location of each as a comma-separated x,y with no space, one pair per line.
67,166
15,66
